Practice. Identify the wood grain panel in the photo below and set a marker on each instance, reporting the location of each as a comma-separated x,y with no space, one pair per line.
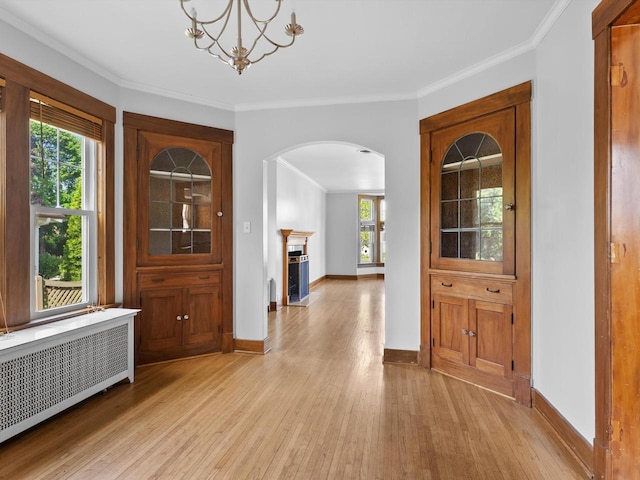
52,88
625,254
106,215
602,236
477,108
522,287
425,251
173,127
409,357
606,14
250,346
15,208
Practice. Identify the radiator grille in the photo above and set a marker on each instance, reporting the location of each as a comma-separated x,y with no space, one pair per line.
37,381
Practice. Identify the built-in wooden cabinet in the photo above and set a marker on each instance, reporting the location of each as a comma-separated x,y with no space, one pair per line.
178,237
181,314
472,323
475,254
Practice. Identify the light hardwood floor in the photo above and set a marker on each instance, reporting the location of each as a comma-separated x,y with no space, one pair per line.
320,405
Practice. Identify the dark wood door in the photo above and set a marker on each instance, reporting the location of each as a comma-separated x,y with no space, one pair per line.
160,320
473,195
491,342
179,200
203,325
450,322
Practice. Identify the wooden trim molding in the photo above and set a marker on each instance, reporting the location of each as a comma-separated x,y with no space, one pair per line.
342,277
409,357
317,282
19,83
177,128
477,108
606,14
252,346
571,438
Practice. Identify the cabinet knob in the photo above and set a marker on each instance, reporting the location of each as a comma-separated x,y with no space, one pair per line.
509,206
186,317
465,331
178,318
219,214
472,334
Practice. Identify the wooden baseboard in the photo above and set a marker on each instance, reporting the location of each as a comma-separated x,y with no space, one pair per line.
273,307
252,346
400,356
227,342
370,275
424,356
341,277
575,443
317,282
354,277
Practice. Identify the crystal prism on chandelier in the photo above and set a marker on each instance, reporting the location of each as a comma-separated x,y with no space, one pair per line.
207,34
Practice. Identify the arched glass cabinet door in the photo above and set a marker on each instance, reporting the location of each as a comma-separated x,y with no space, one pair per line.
473,214
179,201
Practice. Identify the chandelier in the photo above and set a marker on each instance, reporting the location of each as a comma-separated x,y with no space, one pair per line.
207,34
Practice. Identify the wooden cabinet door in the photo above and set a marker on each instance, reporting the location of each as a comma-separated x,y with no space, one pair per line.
160,328
179,200
473,195
491,343
203,325
449,322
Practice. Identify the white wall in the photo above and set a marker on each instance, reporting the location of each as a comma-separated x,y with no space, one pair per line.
300,205
387,127
342,233
562,191
563,289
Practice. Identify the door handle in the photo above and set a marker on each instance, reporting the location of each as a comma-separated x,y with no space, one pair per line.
493,290
446,284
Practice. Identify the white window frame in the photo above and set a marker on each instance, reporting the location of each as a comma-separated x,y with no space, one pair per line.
89,235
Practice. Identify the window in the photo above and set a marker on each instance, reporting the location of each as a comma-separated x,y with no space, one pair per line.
63,218
471,199
56,197
371,232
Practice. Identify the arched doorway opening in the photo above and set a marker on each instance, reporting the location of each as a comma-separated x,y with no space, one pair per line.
317,187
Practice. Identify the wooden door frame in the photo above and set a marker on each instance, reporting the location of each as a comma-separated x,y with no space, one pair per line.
133,123
518,97
607,14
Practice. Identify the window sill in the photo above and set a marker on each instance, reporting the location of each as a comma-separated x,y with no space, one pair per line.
62,316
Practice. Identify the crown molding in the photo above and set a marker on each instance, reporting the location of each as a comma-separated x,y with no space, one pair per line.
549,21
50,42
545,26
166,93
323,102
286,164
543,29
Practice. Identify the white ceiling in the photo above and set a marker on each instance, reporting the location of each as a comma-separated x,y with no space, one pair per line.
352,50
339,167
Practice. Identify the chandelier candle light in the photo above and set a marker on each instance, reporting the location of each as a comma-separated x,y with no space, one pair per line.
237,56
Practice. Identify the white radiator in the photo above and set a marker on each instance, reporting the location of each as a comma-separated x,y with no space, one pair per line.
46,369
